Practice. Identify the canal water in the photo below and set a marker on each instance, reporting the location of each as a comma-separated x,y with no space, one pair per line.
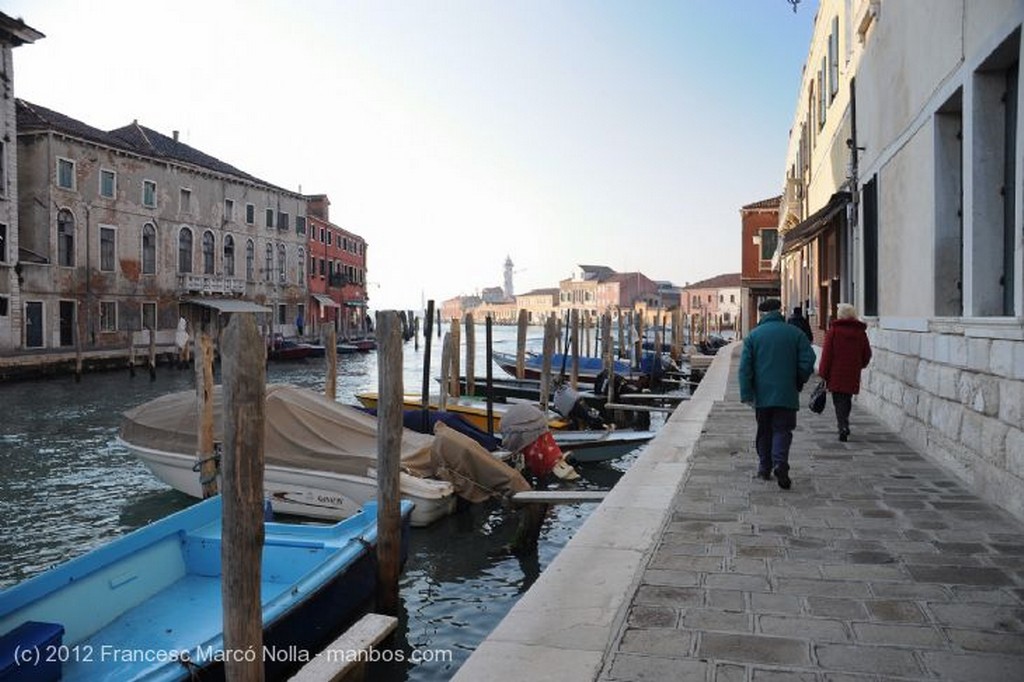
66,487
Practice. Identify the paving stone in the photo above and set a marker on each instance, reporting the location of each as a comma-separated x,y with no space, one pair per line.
830,607
734,581
959,575
990,642
898,635
729,672
713,619
817,629
668,596
993,618
894,611
654,576
867,659
764,675
653,616
657,641
638,668
822,588
726,600
753,649
762,602
781,568
972,666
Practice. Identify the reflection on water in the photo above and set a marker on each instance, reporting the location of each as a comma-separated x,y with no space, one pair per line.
66,487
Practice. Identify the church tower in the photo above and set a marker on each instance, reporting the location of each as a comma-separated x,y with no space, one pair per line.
509,291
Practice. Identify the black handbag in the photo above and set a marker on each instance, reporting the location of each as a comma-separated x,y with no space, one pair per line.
818,395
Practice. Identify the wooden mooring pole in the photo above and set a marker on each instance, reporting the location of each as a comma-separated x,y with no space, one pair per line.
152,353
331,382
550,339
470,355
205,450
428,321
574,344
489,344
242,531
389,443
524,319
456,370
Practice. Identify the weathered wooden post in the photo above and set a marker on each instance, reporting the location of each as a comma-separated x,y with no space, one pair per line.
152,353
609,357
574,342
639,340
446,365
242,522
524,319
488,342
428,320
622,332
78,346
586,333
456,341
550,338
204,392
331,385
470,355
389,444
131,353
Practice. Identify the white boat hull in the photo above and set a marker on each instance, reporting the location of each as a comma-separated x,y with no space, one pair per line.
315,494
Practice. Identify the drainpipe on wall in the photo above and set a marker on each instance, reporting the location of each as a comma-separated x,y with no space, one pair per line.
854,215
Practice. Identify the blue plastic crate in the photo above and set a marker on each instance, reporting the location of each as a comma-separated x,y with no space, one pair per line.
37,647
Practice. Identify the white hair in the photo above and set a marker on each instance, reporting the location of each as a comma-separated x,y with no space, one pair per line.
846,311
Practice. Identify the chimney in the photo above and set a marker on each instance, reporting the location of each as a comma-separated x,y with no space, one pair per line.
175,134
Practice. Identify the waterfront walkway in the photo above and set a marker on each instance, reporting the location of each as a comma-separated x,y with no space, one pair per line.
876,565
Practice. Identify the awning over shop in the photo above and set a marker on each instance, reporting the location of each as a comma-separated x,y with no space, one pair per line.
325,301
229,305
804,232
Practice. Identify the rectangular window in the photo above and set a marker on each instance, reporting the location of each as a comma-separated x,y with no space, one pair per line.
330,238
833,60
250,214
300,224
65,173
283,223
270,218
3,168
149,316
822,97
107,248
229,210
949,193
282,316
870,206
149,193
108,316
3,243
4,306
185,200
769,242
108,183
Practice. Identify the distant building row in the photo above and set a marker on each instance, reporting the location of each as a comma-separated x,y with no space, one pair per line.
105,233
597,289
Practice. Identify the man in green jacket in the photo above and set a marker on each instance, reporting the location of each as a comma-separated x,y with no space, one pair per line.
777,360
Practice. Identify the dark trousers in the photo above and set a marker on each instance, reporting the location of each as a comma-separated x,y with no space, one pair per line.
774,435
843,402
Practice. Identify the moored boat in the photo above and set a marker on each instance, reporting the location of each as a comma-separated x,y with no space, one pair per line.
321,456
148,605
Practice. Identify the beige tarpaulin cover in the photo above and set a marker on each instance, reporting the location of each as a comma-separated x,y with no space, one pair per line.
306,430
475,473
303,430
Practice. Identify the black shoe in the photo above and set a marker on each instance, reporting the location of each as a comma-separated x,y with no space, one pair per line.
764,475
783,479
844,434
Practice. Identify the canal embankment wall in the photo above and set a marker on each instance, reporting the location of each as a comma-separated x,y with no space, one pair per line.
562,626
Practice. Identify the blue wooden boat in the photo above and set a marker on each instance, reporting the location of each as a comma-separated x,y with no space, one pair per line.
148,605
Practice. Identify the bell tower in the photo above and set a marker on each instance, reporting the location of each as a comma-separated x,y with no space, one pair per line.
509,291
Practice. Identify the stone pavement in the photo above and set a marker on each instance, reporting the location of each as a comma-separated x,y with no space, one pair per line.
877,564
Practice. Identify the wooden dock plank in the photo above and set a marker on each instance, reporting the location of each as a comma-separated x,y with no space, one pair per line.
339,660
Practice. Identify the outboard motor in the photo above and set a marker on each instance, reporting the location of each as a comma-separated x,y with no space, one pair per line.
571,405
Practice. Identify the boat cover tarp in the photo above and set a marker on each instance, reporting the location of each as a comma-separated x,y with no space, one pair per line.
475,474
306,430
303,429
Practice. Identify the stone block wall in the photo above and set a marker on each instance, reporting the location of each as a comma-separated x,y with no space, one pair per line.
957,398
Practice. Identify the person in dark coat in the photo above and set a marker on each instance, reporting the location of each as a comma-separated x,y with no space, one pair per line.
798,320
776,362
845,353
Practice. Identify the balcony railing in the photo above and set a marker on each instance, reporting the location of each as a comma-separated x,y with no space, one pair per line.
211,284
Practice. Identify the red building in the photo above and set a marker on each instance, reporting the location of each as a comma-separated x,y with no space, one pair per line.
758,279
337,275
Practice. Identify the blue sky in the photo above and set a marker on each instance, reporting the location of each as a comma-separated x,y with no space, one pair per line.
451,134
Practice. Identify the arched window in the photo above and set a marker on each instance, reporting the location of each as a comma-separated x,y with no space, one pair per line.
282,261
302,265
268,266
208,256
250,260
185,250
65,238
148,249
229,256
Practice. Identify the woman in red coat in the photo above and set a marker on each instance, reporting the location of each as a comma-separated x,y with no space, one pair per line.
845,353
